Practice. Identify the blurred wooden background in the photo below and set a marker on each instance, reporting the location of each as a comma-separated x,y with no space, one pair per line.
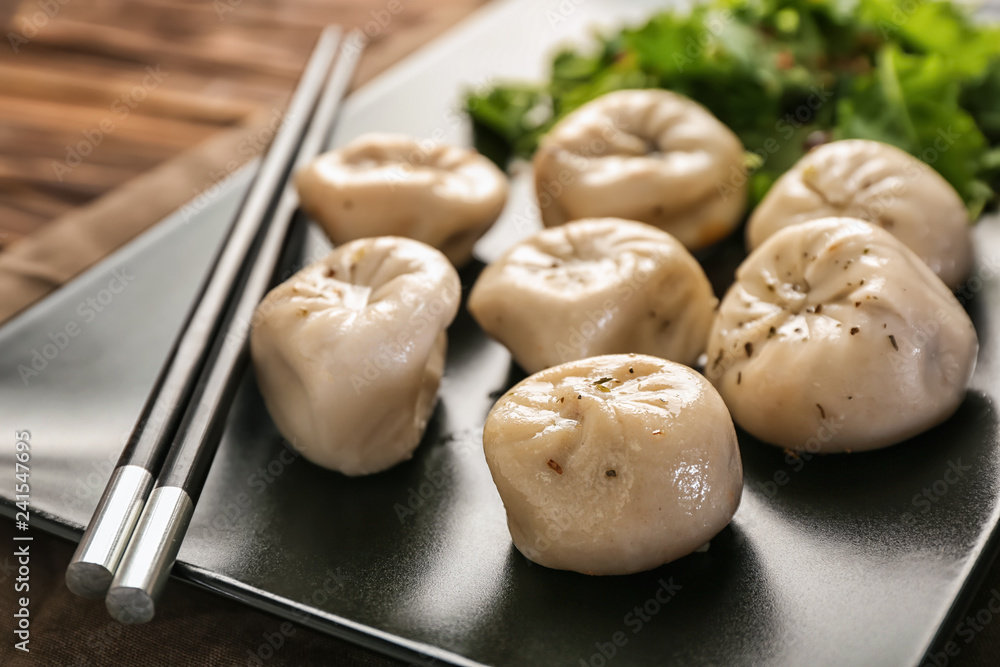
160,77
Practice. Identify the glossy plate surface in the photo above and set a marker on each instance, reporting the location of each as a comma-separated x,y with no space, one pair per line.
856,559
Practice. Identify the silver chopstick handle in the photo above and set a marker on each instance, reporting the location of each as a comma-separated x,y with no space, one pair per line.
93,566
150,555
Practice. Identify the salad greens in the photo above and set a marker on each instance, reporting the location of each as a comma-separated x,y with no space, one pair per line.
922,75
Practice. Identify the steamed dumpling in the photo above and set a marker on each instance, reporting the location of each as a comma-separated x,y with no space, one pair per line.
614,464
350,350
836,337
880,184
390,184
595,287
647,155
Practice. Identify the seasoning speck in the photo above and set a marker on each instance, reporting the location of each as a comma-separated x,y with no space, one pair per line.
610,473
739,377
855,330
771,332
555,466
631,370
822,412
857,304
749,348
892,339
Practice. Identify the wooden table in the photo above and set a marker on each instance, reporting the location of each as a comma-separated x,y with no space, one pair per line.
114,113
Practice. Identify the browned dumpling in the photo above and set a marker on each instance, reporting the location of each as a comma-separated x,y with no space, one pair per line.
349,351
613,464
392,185
595,287
837,337
877,183
647,155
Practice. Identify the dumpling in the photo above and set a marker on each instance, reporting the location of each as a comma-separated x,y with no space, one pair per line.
614,464
646,155
349,351
836,337
880,184
390,184
595,287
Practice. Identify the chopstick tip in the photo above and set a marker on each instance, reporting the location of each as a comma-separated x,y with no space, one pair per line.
88,580
130,606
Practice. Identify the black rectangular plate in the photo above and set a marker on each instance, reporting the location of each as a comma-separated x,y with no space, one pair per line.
852,559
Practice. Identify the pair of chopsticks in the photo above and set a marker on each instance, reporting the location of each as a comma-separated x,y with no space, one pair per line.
135,533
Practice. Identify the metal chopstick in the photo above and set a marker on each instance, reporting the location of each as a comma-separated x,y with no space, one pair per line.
157,538
93,565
